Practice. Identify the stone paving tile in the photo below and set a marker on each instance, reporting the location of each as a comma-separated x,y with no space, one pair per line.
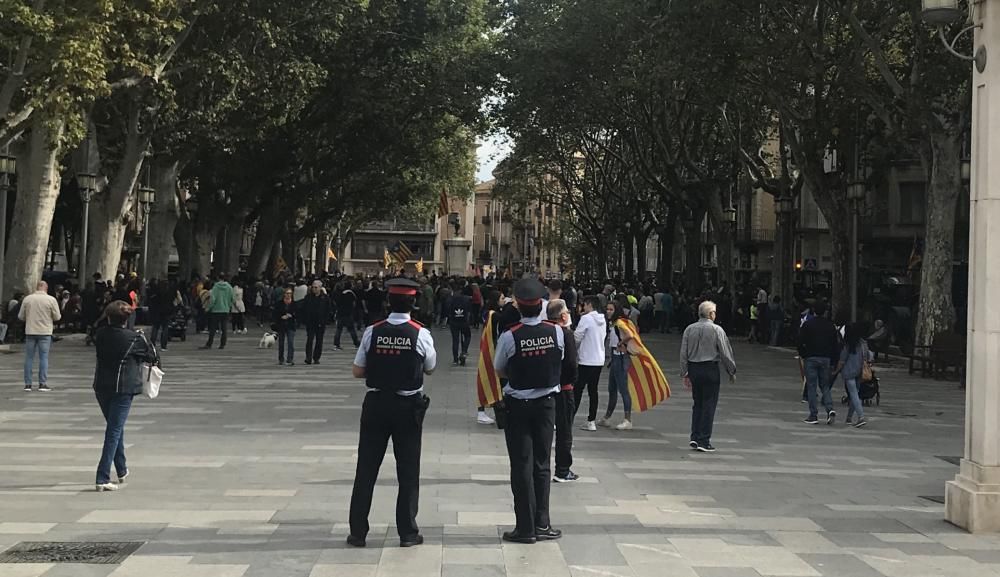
251,477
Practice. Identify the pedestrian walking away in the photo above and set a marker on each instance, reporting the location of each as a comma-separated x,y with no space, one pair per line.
393,358
530,356
315,313
819,347
704,346
558,313
459,309
346,302
121,353
220,303
591,332
853,356
39,312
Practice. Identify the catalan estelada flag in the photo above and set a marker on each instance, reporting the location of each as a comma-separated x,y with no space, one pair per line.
487,381
646,383
401,252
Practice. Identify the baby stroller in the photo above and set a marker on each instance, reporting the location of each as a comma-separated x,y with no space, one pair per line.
868,392
177,326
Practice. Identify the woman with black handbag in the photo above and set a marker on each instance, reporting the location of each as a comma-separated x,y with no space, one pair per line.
121,353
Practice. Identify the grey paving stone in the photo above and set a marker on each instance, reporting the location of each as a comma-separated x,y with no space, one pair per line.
244,463
840,565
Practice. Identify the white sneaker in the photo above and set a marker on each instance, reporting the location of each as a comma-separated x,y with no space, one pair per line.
590,426
106,487
484,419
625,425
603,422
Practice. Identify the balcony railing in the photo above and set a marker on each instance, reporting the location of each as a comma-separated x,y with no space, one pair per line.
750,235
398,225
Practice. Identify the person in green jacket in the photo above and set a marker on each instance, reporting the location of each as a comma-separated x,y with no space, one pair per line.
219,305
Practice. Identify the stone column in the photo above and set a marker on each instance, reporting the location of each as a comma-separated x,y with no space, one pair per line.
457,256
972,500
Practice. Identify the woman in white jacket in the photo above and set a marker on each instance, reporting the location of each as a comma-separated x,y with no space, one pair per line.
238,310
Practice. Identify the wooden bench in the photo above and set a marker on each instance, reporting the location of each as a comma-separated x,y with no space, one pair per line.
947,350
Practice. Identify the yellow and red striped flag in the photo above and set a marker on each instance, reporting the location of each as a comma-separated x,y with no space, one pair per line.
646,383
487,381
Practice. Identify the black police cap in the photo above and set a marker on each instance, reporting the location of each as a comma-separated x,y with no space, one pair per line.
401,286
529,291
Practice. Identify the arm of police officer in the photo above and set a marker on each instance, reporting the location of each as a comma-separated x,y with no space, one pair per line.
505,349
425,347
361,357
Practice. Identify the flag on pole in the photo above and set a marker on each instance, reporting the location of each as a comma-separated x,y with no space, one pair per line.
329,254
646,383
401,252
420,266
443,208
280,265
487,381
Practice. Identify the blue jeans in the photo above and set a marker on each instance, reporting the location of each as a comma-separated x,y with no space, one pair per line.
286,338
618,383
775,332
115,407
818,375
41,343
854,401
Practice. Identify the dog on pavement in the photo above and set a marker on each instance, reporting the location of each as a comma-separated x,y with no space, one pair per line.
267,341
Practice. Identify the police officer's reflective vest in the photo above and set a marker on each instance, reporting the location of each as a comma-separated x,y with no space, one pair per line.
393,363
537,359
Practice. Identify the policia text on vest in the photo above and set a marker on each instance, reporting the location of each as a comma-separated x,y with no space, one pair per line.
393,358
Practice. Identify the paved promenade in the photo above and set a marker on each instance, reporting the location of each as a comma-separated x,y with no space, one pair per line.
243,468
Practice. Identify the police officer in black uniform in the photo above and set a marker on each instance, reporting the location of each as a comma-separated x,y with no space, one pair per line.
529,355
393,358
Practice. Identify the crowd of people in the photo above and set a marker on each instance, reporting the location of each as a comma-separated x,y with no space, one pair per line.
552,343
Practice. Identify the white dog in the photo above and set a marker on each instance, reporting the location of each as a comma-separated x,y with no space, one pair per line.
267,341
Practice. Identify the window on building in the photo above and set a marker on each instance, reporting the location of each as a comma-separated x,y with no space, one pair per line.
912,202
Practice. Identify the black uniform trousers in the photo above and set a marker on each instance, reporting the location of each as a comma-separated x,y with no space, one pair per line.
705,382
314,342
386,415
529,442
461,335
565,411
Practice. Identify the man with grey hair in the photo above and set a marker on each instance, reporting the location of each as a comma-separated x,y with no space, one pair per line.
40,312
558,313
703,346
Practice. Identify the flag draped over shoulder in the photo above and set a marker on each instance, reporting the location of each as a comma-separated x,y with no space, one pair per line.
487,381
646,383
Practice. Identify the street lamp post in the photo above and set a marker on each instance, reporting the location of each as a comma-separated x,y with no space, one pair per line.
147,197
855,194
87,184
191,206
8,168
